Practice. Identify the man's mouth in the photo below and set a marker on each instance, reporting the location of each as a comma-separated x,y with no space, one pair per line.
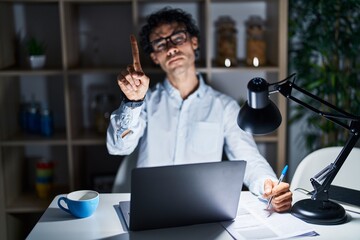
173,59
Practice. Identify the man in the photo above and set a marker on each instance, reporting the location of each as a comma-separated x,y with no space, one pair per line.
183,120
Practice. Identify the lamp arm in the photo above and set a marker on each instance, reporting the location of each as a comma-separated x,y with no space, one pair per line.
321,189
321,181
285,88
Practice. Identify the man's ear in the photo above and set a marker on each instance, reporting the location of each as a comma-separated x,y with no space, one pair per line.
194,43
154,58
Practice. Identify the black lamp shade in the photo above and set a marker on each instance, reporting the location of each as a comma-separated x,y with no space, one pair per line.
259,121
259,115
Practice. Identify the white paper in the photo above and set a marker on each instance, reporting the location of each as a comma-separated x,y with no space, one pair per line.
253,222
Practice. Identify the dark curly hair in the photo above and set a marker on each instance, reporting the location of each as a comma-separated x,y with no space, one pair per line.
164,16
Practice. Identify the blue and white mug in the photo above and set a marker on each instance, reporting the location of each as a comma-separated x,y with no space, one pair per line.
81,203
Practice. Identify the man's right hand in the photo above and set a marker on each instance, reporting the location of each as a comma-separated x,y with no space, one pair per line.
132,80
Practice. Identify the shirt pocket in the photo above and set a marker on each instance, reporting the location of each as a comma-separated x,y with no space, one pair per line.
205,137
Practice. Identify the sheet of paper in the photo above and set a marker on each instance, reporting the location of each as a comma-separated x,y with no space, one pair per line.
253,222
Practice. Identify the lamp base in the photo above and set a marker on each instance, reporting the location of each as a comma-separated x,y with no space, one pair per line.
319,212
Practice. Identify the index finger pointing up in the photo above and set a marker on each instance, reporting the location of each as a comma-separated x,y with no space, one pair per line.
135,54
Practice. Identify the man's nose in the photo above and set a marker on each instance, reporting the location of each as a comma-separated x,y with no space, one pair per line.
170,47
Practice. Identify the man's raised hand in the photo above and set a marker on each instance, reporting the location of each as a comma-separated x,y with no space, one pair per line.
132,80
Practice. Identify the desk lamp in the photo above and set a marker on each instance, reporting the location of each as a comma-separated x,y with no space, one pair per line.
259,115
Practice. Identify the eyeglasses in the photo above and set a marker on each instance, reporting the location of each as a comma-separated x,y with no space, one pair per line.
177,38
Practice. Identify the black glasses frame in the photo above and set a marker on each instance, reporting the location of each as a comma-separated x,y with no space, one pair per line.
169,39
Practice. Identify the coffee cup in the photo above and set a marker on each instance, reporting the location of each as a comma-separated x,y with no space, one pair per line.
81,203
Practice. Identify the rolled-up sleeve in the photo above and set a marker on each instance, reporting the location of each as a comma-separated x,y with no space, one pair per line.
123,119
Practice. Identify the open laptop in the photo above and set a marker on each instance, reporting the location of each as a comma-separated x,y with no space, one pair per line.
179,195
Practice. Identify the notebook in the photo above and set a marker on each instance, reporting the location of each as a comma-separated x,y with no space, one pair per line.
179,195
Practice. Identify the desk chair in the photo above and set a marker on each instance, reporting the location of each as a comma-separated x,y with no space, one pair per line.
122,182
348,175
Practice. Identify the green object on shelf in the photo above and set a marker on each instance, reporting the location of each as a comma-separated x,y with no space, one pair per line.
35,47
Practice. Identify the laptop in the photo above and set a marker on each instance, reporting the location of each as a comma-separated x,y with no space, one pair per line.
179,195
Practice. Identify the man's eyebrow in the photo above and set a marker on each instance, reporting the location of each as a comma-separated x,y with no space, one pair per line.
175,30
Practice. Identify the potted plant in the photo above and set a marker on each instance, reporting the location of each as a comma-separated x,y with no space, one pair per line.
324,52
36,51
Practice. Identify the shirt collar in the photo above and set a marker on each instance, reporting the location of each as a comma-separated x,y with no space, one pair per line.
199,92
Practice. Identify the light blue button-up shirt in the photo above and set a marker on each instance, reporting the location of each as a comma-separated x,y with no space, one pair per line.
171,130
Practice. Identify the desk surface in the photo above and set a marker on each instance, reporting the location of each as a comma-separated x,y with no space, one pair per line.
107,223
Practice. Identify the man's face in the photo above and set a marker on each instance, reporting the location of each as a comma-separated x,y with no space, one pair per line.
173,48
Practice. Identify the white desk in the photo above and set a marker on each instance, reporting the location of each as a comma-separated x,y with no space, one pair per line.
107,223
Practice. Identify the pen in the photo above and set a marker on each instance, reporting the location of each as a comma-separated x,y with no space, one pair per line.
283,173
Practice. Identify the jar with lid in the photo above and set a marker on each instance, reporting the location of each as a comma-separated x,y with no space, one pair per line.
255,42
226,42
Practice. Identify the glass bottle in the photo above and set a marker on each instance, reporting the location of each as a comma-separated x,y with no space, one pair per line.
226,42
46,122
33,117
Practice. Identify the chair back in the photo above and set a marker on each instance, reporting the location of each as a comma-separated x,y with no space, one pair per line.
122,182
348,175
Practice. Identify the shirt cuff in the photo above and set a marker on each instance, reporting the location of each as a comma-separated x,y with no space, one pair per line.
133,104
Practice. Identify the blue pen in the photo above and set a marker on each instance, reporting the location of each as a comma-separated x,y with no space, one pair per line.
283,173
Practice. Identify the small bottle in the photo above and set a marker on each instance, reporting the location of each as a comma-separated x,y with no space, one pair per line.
46,122
33,117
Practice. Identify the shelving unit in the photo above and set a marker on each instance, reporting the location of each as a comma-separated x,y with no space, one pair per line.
87,45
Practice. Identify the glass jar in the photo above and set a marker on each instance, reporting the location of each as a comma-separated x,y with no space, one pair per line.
226,42
255,42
